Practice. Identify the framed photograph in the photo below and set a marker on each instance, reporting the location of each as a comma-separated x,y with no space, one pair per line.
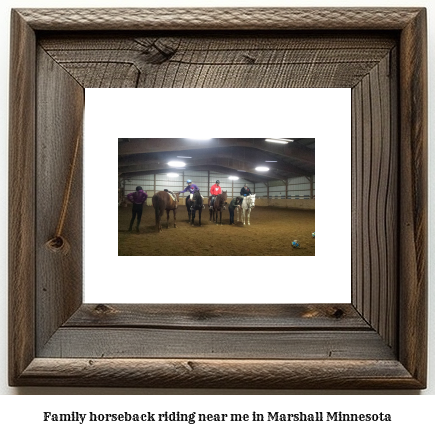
377,341
219,257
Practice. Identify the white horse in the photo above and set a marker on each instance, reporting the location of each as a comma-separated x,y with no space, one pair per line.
247,205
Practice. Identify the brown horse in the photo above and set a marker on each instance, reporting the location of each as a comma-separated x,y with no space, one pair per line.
218,206
162,201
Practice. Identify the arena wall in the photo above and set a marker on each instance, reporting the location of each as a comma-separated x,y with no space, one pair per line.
298,192
280,203
287,203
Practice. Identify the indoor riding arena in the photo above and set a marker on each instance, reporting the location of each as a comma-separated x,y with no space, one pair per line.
277,176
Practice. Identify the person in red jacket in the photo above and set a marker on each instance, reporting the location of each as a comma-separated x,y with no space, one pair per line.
215,189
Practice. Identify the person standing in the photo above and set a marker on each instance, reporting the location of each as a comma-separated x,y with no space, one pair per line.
137,198
245,191
235,203
215,189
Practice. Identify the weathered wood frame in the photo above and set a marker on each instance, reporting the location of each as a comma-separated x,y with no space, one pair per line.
377,341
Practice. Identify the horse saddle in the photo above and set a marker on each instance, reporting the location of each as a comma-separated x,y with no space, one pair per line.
172,195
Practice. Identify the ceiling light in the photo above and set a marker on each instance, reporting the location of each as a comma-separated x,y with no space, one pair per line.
233,178
262,169
181,156
176,164
198,138
271,161
280,141
172,175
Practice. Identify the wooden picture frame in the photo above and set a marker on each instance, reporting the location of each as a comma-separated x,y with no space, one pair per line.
376,342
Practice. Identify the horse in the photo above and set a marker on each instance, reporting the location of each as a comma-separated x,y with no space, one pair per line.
247,205
197,204
218,206
163,201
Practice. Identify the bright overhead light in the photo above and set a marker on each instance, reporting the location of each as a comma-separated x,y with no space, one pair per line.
176,164
280,141
181,156
233,178
198,138
262,169
172,175
271,161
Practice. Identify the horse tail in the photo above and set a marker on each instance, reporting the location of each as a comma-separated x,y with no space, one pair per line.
159,208
157,212
155,201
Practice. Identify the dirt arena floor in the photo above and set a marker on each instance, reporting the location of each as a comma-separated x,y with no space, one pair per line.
271,233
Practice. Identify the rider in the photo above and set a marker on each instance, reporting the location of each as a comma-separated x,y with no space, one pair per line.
137,198
245,191
214,191
191,188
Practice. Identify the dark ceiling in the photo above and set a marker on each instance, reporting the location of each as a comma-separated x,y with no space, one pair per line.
238,157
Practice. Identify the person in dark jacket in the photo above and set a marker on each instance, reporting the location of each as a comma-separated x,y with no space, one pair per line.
137,198
235,203
245,191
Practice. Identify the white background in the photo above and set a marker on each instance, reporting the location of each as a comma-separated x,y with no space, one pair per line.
320,113
414,413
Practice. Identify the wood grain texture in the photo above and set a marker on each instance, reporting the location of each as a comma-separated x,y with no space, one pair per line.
220,18
59,278
379,342
22,212
375,199
236,60
126,342
388,299
413,188
220,317
229,374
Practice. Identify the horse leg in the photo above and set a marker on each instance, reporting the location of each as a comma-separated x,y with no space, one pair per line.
167,219
160,222
243,217
193,218
162,212
200,212
175,217
159,214
249,217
